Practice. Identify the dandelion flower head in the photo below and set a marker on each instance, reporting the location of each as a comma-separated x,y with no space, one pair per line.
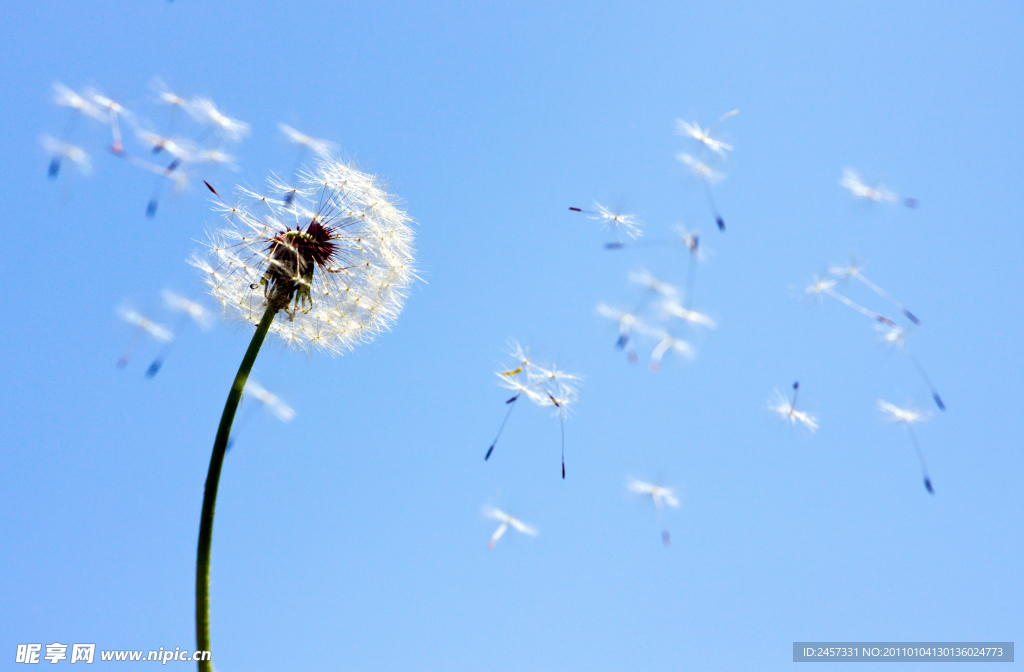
335,263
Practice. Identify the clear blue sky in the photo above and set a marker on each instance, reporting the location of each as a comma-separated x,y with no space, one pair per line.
352,537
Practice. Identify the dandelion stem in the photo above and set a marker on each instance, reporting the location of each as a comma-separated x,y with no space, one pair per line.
213,479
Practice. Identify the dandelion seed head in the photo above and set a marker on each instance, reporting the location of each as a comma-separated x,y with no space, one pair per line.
336,262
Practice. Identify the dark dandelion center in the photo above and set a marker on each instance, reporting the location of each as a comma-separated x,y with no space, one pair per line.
294,256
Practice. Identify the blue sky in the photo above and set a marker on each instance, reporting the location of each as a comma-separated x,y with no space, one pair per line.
351,537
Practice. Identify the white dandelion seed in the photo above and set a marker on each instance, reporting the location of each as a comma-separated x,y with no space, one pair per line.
675,309
878,193
825,286
66,97
786,409
627,321
541,385
897,337
166,96
204,110
61,150
179,148
852,270
614,221
196,311
654,284
157,331
144,326
271,401
334,268
189,310
113,111
659,495
703,135
708,176
666,343
907,417
506,522
688,238
316,145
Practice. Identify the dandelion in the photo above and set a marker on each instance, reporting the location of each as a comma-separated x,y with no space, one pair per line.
659,494
709,177
878,193
325,274
506,522
614,221
336,269
543,386
897,337
908,416
703,135
825,286
852,270
786,409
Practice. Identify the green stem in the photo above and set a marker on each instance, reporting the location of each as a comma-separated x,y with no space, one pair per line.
220,445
